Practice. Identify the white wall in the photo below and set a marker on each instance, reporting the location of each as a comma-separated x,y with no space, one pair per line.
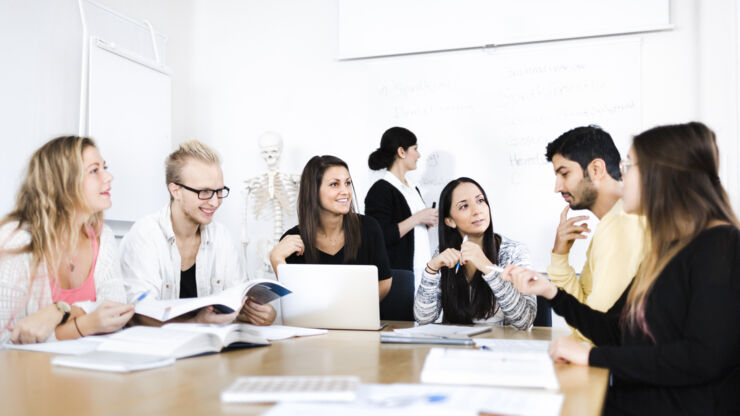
39,82
241,67
267,66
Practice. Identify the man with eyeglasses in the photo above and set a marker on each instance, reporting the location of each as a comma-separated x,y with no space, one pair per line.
587,174
180,252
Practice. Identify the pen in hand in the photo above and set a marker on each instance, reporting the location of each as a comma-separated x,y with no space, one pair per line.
457,267
497,268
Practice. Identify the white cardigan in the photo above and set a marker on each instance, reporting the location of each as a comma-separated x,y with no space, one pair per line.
20,295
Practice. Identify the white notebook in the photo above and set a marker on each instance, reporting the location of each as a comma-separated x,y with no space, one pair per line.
119,362
443,331
270,389
483,368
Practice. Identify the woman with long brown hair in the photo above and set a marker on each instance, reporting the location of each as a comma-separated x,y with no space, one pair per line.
671,342
55,252
329,230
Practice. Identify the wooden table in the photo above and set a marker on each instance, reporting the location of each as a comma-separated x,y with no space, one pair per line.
30,385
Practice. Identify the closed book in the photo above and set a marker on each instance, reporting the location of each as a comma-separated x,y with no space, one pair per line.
119,362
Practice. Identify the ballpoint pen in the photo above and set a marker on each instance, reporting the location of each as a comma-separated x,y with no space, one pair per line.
141,297
497,268
465,238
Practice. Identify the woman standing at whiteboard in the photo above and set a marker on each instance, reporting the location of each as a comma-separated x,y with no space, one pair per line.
463,281
397,204
56,252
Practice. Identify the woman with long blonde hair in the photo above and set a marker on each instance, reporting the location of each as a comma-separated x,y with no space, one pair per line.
672,341
57,259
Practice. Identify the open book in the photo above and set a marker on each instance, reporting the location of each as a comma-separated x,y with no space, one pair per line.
178,343
259,290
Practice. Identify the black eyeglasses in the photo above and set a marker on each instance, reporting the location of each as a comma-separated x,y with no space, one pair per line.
206,194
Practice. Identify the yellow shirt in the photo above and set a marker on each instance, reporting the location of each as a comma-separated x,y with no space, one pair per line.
612,259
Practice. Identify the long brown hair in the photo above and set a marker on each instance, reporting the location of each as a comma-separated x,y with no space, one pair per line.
680,195
49,200
309,210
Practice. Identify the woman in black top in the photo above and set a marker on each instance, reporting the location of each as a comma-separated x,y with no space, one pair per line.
329,229
672,341
397,204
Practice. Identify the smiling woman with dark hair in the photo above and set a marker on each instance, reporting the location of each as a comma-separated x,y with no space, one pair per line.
329,230
461,281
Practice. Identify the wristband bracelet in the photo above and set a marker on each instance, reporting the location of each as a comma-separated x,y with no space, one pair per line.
77,326
431,269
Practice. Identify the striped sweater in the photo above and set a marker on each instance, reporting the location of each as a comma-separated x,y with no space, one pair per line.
513,308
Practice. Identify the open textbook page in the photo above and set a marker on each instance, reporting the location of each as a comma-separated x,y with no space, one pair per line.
270,333
259,290
170,342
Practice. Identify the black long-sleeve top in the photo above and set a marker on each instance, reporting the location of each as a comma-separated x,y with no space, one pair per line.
388,206
693,312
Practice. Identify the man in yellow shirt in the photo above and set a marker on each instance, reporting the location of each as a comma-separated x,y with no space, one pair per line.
587,175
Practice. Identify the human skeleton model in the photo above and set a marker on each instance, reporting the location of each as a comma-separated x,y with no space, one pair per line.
272,192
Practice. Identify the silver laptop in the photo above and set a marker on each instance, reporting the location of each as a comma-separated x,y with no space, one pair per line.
330,296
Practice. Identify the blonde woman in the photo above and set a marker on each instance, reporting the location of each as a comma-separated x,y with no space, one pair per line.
55,251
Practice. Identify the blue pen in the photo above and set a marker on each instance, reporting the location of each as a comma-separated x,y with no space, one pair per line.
465,238
141,297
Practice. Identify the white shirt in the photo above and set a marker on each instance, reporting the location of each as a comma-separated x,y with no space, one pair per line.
422,250
22,295
150,260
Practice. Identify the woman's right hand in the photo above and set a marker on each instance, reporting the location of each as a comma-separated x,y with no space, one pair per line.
428,217
108,317
447,258
286,247
529,282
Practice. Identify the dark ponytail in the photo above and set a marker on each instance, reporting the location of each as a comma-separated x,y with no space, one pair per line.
393,138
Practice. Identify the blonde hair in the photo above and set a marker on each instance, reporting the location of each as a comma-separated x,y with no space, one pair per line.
190,150
49,200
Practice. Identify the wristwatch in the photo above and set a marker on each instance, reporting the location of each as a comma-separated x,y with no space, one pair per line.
65,309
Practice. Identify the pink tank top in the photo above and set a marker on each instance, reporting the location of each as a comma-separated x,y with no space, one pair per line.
86,291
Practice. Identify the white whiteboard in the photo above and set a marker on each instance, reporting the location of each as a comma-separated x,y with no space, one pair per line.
392,27
490,114
130,108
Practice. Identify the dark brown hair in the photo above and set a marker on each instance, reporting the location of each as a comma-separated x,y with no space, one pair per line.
462,302
309,210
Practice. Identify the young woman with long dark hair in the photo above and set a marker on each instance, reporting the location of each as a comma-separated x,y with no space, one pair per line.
329,230
460,281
